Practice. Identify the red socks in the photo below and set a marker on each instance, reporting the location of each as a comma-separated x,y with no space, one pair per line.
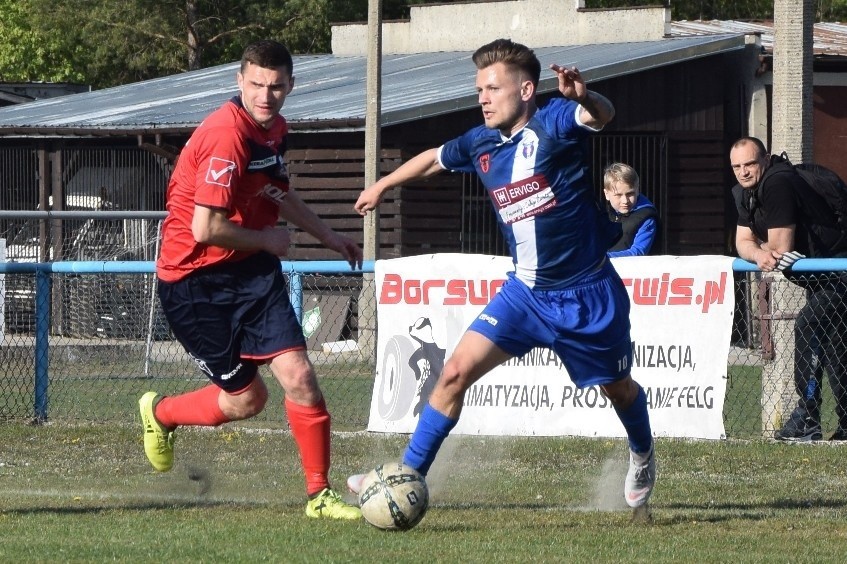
310,427
199,407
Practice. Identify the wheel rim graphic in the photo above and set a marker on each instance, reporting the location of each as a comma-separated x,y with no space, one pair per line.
397,384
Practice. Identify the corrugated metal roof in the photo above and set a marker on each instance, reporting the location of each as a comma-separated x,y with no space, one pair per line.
330,91
830,39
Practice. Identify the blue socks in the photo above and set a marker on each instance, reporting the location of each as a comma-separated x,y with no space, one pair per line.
636,421
432,429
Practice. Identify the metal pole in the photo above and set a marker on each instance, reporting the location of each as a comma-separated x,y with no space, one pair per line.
42,346
295,294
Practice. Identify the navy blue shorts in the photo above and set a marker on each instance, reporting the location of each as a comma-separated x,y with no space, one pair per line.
233,317
586,325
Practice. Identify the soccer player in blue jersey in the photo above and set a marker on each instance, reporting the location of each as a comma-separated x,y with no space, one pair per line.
564,293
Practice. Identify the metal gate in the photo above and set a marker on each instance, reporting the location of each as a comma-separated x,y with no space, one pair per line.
646,153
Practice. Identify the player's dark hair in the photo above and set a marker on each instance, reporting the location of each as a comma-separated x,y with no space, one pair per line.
267,54
763,152
509,53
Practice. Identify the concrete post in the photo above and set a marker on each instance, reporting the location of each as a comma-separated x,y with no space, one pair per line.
792,132
792,79
753,79
373,148
778,395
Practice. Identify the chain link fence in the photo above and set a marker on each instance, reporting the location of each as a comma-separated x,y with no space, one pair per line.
109,342
789,365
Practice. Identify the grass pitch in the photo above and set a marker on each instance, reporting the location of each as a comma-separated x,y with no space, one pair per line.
85,493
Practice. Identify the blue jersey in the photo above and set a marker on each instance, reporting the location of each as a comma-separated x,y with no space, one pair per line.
539,183
639,228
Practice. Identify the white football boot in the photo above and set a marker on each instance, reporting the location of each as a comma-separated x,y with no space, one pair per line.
640,478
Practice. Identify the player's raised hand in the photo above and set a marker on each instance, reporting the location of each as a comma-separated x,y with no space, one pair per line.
571,84
348,248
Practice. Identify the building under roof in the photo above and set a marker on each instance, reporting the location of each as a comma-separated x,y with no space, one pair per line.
829,38
329,91
23,92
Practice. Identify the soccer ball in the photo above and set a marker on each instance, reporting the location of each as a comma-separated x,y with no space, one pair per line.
394,497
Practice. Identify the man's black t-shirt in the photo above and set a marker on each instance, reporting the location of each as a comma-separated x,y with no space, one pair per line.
781,199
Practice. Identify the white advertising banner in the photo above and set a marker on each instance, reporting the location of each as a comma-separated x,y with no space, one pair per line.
682,310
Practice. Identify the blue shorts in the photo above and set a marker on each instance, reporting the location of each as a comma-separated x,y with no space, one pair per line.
586,325
233,317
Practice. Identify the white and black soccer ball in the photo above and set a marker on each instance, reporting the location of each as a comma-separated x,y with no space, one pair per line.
394,497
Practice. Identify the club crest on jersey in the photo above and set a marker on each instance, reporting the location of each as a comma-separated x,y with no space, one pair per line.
220,172
528,149
485,162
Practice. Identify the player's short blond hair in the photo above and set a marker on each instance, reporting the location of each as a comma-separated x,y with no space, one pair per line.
511,54
620,172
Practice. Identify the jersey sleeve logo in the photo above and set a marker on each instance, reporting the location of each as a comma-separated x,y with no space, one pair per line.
220,172
485,162
523,199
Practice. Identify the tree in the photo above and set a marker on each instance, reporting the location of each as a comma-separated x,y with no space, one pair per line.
131,40
110,42
831,11
30,53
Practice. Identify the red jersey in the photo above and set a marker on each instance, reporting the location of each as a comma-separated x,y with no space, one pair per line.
229,163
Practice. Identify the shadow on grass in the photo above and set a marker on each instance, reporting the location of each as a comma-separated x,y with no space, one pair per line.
818,503
181,505
93,510
721,512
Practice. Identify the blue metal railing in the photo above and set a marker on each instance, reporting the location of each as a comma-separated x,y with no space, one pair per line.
802,265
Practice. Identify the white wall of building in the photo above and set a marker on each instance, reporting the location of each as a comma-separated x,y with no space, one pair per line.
535,23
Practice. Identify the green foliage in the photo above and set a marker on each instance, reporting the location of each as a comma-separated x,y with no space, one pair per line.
110,42
29,52
832,10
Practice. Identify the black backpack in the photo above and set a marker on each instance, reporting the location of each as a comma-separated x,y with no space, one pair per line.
833,190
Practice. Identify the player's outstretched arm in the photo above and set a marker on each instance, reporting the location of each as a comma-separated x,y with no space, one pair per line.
597,110
420,166
294,210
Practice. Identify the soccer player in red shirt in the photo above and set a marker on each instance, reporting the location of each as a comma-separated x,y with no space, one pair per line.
220,281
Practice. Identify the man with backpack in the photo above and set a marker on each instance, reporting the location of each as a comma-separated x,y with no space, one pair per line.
783,217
